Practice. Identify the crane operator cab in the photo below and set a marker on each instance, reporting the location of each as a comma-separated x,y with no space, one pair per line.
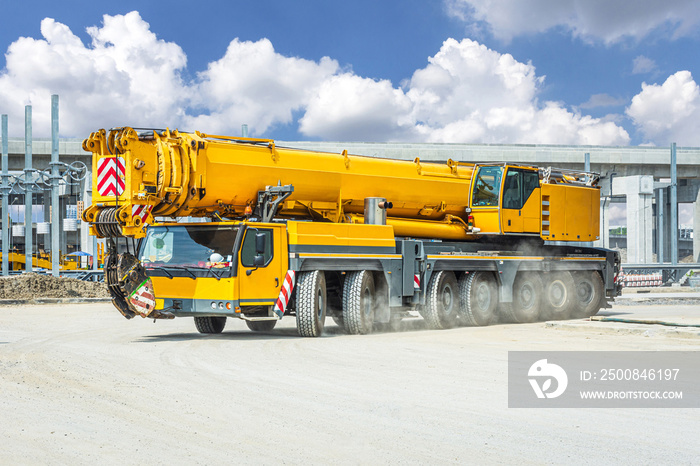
507,204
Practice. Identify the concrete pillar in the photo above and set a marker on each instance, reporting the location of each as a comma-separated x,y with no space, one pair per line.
604,241
639,191
696,229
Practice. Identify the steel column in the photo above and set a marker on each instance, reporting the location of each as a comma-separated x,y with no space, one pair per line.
5,188
673,198
660,225
28,191
55,176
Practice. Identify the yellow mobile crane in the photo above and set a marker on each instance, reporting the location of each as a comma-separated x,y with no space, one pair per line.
280,231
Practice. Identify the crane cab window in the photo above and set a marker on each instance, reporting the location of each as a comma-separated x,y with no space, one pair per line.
518,186
248,251
487,186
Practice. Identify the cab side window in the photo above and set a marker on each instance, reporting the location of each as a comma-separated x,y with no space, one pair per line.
248,247
518,187
512,194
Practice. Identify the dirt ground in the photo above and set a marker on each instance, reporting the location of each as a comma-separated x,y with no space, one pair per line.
32,285
82,385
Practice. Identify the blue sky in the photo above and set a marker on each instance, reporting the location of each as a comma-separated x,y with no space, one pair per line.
483,71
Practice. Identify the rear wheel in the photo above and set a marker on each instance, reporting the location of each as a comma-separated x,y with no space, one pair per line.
527,298
358,302
559,294
261,325
442,302
590,291
478,293
210,324
311,303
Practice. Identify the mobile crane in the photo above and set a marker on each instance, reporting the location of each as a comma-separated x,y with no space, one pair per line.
260,231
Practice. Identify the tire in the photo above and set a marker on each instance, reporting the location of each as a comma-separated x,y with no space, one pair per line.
527,299
559,291
210,324
311,303
442,302
589,295
358,303
261,325
478,298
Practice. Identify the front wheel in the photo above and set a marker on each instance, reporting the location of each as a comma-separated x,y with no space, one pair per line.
311,303
210,324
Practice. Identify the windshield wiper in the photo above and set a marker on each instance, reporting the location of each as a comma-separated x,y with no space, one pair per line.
151,268
177,267
187,269
216,275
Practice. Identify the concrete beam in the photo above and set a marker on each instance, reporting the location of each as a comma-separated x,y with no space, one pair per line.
625,161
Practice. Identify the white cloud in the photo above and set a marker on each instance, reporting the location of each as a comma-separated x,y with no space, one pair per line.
592,20
349,107
466,93
643,65
127,76
253,84
668,112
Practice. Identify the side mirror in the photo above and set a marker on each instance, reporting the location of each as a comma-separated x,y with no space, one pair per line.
260,249
260,243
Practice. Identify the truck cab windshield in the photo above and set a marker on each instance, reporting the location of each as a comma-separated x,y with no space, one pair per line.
188,246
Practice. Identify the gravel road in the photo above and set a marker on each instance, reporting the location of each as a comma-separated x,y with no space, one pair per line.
82,385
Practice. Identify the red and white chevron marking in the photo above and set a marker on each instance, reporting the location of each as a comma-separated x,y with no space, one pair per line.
141,211
416,282
285,294
653,279
143,299
110,176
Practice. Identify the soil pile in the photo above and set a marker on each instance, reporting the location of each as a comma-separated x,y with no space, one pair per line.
32,285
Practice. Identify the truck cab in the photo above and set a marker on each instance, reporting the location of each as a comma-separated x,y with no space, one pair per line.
215,268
